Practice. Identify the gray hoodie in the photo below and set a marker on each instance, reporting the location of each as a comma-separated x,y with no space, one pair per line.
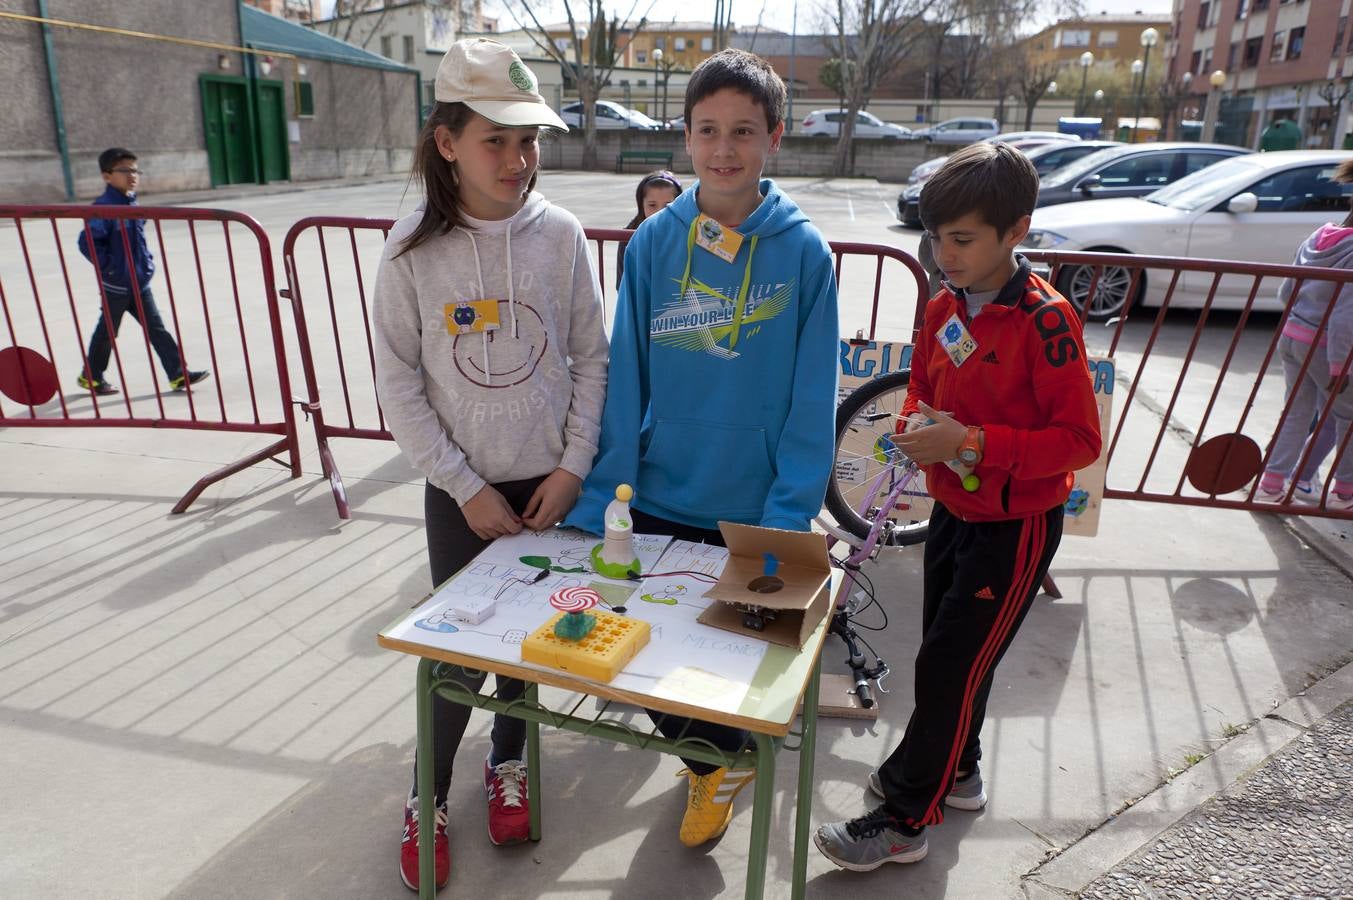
1331,246
513,403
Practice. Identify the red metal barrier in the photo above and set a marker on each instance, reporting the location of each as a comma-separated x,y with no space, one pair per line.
350,372
1206,331
213,307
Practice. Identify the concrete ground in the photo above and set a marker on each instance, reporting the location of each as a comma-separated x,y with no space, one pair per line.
195,705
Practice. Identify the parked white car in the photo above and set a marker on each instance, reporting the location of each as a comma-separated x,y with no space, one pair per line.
610,115
959,131
1254,208
827,123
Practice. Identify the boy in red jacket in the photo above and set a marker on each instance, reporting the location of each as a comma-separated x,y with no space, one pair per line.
998,381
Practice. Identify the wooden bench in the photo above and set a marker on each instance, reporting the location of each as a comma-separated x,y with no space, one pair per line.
646,156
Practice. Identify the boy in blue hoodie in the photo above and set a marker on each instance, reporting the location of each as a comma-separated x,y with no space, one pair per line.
721,397
124,277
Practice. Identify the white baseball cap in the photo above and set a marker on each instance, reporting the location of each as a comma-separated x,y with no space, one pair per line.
493,81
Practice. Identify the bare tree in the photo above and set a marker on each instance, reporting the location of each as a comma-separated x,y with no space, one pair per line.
1334,93
590,70
347,13
1032,81
723,23
875,35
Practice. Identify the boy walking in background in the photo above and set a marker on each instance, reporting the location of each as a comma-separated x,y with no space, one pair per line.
102,244
1001,352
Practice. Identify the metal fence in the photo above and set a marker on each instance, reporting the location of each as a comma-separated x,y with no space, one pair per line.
218,316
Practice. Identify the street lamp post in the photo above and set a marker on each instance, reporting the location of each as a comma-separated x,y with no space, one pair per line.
1149,38
657,58
1138,67
1087,60
1215,80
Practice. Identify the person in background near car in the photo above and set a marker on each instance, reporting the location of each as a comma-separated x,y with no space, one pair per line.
1324,356
655,191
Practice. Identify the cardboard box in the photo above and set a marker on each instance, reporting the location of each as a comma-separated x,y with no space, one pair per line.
801,599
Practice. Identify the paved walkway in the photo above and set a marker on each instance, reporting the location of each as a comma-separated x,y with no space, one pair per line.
1285,830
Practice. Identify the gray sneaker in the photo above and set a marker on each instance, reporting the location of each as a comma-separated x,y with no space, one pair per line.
864,844
967,793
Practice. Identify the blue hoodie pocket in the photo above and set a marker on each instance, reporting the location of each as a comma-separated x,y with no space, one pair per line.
707,469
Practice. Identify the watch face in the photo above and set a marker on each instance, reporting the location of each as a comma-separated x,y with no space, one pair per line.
967,456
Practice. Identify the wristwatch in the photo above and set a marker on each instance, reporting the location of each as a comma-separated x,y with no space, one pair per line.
970,451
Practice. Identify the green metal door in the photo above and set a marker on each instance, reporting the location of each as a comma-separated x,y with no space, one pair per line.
272,131
225,114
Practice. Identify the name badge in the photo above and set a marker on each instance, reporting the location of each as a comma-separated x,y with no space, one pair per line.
714,237
956,340
471,316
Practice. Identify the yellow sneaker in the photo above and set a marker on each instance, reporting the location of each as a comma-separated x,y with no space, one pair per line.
709,803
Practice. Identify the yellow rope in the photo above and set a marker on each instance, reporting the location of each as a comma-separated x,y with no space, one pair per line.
104,29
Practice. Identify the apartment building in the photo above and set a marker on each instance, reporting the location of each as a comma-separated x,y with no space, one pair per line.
1115,40
1281,59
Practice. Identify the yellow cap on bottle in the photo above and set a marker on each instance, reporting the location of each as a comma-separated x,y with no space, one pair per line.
624,493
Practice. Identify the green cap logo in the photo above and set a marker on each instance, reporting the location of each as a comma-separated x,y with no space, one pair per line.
521,76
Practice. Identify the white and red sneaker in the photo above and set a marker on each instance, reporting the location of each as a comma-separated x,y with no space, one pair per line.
408,849
509,807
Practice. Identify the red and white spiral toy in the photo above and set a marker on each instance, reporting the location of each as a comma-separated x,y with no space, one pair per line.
574,599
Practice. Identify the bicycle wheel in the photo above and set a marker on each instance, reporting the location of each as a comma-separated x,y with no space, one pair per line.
865,422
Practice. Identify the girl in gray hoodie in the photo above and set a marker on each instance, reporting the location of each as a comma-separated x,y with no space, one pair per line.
490,367
1318,340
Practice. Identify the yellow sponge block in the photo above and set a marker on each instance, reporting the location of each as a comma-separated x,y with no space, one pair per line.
600,656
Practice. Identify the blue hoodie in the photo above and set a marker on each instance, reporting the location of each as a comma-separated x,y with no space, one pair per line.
106,236
721,401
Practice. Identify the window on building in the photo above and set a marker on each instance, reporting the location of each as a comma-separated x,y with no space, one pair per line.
1258,5
1253,48
1204,15
408,48
1231,56
1071,37
1275,53
1108,39
707,44
1196,64
660,43
563,44
305,99
1295,41
679,44
1241,10
1207,60
387,45
1339,35
641,56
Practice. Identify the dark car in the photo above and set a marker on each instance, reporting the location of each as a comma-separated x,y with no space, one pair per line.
1046,159
1130,170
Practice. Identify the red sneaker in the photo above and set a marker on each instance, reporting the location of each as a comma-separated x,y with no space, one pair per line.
408,850
509,807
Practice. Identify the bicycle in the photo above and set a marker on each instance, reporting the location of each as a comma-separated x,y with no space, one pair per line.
877,496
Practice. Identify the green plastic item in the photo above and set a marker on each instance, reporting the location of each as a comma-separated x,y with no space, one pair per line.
574,626
971,483
612,570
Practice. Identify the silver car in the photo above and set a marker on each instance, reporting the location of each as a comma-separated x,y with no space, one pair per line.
965,130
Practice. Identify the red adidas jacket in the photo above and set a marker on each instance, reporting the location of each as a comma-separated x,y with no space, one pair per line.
1027,385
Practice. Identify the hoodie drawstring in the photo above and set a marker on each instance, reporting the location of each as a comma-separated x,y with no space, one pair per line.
740,303
483,295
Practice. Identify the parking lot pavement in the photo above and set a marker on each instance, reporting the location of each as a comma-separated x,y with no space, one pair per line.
195,705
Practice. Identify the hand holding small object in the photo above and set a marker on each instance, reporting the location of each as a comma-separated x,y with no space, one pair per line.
489,516
935,443
552,500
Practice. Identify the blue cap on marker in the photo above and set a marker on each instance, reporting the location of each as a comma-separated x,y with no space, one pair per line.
771,564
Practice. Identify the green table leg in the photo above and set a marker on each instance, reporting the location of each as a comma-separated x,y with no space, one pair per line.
804,801
762,811
427,786
533,761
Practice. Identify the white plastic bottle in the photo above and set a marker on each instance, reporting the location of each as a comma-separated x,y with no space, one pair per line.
615,556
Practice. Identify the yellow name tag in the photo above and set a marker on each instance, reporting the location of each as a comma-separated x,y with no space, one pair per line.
722,241
956,340
471,316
